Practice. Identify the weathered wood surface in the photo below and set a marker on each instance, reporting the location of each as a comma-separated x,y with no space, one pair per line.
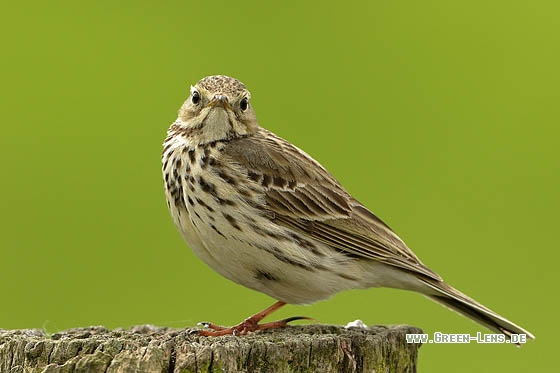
309,348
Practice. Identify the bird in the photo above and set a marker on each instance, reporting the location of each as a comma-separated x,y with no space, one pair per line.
266,215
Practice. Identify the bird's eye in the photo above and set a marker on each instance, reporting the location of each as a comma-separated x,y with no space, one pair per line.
195,97
244,104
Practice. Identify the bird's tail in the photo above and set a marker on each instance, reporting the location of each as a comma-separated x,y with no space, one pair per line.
453,299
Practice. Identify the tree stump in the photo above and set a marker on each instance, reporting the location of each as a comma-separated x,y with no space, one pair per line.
146,348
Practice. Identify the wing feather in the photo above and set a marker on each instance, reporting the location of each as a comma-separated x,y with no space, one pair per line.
304,196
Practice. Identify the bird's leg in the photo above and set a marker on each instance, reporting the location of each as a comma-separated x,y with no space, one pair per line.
250,324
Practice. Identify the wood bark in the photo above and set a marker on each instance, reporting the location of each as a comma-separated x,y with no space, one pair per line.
146,348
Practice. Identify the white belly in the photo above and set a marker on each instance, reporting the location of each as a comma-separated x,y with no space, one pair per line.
240,243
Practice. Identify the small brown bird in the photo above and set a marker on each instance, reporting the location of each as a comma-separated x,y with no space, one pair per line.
264,214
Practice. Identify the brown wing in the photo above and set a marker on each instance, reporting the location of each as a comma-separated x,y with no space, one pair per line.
302,195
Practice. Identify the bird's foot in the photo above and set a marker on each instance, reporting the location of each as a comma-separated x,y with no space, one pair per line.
250,324
247,326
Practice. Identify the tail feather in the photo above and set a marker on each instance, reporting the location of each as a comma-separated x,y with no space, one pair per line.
462,304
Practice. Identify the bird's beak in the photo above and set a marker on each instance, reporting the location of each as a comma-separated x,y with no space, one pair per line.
220,101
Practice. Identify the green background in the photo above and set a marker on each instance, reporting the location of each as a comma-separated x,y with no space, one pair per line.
440,116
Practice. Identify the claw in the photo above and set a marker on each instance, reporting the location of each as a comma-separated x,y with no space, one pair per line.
212,326
193,332
294,318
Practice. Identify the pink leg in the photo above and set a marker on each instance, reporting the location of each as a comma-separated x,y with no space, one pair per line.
250,324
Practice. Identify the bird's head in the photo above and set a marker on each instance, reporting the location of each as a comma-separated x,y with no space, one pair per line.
218,108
